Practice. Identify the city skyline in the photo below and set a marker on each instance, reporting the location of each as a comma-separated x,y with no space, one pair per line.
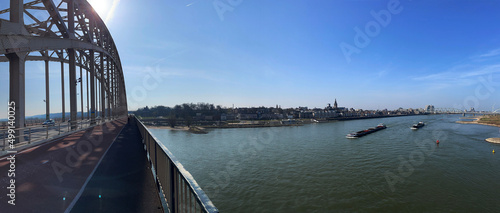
367,54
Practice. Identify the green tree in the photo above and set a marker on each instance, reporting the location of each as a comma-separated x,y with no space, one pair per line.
172,120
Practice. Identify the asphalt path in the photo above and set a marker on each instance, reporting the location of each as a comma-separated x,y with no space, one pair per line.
123,182
49,176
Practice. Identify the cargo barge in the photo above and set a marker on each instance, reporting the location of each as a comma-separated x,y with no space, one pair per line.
418,126
366,131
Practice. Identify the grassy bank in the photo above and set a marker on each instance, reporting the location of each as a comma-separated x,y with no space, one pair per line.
490,119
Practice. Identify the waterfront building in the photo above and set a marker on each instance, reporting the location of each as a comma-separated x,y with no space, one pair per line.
429,109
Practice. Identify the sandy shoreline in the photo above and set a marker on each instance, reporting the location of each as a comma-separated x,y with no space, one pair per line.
182,128
493,140
193,129
476,121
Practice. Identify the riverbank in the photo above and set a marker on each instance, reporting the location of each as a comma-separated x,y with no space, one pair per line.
229,126
483,120
181,128
192,129
197,130
493,140
263,124
489,120
202,129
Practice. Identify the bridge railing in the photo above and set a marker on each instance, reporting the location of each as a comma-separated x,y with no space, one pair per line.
38,133
179,189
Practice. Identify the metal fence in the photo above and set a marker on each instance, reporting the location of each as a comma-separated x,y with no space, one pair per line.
179,189
41,132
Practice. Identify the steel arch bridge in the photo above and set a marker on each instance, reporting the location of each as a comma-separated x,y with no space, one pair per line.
65,31
448,110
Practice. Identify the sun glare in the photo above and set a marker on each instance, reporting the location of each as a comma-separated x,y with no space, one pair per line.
103,7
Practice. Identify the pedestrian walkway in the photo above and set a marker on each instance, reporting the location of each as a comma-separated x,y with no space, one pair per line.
123,182
50,176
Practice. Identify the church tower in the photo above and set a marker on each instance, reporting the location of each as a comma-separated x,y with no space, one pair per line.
335,104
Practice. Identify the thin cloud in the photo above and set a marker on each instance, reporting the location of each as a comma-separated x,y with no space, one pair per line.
486,56
111,12
453,78
436,76
192,3
490,54
382,73
490,69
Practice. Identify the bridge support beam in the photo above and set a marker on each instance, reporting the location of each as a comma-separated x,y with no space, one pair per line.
115,92
87,82
73,109
62,91
115,99
17,11
103,86
81,91
17,92
47,91
92,88
17,74
110,95
72,88
112,90
97,95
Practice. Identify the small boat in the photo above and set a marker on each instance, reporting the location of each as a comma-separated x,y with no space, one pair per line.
366,131
417,126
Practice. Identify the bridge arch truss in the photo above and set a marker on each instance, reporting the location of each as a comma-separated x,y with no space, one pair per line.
69,32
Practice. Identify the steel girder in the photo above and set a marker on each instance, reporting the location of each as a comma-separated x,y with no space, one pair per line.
68,31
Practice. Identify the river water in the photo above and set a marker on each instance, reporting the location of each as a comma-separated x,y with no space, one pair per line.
314,168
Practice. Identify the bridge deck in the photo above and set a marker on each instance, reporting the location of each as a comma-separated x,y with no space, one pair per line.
50,176
123,179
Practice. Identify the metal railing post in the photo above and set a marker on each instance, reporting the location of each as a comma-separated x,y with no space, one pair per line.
29,139
173,190
59,129
156,161
3,148
190,203
47,132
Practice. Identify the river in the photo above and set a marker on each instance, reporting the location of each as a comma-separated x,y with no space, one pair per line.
314,168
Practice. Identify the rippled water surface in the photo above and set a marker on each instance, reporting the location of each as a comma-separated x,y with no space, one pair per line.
314,168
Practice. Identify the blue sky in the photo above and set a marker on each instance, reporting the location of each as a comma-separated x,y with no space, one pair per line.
263,53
